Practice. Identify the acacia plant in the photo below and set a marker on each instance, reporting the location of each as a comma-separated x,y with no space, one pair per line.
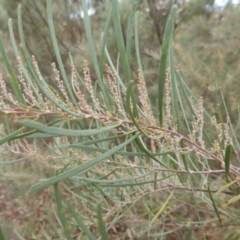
155,174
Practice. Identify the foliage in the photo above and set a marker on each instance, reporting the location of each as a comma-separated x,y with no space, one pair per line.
119,171
208,47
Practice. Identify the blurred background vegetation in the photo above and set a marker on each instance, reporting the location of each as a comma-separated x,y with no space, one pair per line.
206,43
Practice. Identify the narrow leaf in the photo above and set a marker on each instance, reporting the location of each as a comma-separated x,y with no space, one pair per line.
227,160
81,168
29,64
129,32
2,235
12,161
103,42
120,42
57,52
13,78
91,47
101,225
188,235
225,187
162,208
232,200
130,96
214,205
95,149
65,132
61,213
164,60
11,136
80,222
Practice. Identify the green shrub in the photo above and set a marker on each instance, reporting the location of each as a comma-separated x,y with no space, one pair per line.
121,171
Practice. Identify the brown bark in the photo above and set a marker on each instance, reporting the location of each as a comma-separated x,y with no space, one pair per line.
159,12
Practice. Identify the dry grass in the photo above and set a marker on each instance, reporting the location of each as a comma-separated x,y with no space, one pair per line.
27,215
33,217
